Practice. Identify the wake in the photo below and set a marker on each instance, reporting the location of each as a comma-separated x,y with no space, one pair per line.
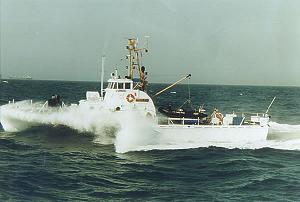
130,132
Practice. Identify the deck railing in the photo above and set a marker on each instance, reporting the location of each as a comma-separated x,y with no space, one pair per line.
183,120
198,121
42,108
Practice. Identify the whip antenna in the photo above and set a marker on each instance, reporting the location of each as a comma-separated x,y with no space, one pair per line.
270,105
102,75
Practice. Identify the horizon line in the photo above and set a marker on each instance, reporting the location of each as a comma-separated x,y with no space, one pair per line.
94,81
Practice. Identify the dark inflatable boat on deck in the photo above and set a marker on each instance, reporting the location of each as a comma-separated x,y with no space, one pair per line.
186,113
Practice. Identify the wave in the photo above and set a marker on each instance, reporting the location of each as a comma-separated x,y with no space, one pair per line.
24,115
130,132
284,130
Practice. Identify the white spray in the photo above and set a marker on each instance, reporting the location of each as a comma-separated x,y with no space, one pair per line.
25,115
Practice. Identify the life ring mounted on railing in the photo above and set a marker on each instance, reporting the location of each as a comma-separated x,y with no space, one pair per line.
130,98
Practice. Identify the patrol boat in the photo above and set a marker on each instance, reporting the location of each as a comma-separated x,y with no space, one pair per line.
129,94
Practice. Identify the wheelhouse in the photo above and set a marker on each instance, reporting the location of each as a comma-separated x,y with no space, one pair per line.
120,84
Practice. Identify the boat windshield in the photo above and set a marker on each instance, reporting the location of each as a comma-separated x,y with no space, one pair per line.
119,85
127,86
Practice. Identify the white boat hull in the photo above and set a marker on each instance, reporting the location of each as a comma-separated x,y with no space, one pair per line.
212,133
185,133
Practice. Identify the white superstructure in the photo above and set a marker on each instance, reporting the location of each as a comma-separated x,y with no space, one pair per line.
120,95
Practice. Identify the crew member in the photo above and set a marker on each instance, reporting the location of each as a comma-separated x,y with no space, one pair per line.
143,78
218,115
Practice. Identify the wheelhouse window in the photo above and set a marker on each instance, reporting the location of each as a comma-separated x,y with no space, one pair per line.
127,85
120,86
115,85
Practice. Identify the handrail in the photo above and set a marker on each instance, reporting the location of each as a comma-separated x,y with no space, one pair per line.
252,113
170,120
197,120
178,119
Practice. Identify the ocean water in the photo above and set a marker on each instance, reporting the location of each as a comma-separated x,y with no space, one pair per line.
81,163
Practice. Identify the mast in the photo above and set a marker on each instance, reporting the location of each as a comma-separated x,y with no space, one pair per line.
130,47
135,57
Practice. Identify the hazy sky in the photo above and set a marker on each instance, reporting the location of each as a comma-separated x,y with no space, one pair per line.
253,42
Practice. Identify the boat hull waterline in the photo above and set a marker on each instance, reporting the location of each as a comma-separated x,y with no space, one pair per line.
205,133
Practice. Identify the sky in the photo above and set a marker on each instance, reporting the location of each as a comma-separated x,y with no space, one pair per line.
232,42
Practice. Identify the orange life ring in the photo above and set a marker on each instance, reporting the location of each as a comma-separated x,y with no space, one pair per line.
130,98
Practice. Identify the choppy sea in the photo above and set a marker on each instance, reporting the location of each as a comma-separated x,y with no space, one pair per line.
59,163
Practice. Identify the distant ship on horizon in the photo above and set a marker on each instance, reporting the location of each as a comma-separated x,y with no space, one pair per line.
25,77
